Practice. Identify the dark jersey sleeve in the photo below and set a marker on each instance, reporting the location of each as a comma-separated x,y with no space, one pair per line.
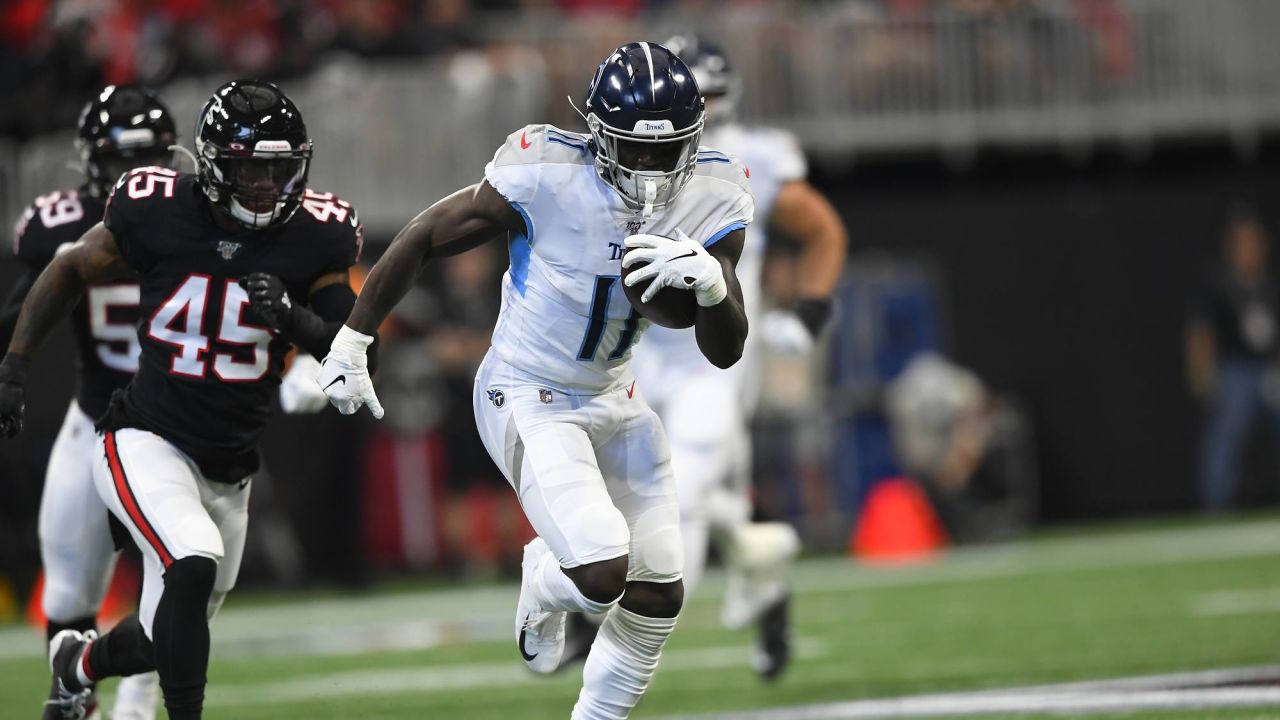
344,239
48,223
137,199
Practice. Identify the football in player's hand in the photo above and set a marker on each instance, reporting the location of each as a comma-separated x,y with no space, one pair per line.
670,307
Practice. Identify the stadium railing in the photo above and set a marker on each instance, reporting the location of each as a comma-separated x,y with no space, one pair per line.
848,78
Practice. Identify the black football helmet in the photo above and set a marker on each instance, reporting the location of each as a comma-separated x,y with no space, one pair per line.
124,127
645,115
253,153
716,76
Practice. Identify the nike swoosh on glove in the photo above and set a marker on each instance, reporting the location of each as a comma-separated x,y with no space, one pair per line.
299,393
344,374
678,262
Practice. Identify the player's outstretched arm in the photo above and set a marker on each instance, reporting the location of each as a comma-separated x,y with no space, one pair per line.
471,216
465,219
805,215
721,329
93,258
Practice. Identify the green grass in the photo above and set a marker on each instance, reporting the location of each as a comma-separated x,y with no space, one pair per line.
1085,605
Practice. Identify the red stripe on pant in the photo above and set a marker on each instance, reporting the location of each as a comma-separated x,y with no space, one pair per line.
130,503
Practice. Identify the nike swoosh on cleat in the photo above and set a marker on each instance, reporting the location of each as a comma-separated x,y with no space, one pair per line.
340,379
520,644
524,144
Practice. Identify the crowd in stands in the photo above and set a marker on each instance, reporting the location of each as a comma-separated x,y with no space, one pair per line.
54,53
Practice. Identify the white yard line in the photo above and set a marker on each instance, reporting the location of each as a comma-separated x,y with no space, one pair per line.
1255,601
426,619
957,705
1052,556
469,676
1178,691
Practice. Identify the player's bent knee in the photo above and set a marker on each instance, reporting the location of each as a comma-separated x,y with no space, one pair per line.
654,599
190,579
595,530
602,582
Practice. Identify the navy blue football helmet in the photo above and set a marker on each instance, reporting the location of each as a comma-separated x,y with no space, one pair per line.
713,71
253,153
645,114
123,127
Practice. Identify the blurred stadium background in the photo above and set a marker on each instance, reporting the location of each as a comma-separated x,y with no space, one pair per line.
1041,197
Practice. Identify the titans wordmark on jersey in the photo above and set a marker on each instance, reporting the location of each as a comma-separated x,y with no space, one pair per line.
564,317
209,365
103,321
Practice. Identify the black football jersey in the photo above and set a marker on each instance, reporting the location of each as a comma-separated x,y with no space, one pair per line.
104,321
209,364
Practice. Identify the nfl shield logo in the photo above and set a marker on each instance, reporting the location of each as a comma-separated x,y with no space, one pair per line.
633,226
228,249
544,395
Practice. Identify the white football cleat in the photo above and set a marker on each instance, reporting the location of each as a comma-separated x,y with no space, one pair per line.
756,565
137,697
539,632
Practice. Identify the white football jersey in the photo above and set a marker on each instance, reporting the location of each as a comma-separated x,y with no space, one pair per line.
565,317
772,158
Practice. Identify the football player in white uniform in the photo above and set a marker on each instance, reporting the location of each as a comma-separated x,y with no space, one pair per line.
707,411
555,403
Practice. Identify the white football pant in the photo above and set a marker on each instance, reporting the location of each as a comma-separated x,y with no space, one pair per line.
592,471
75,542
171,510
77,550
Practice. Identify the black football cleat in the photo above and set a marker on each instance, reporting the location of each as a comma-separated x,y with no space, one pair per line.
68,699
774,651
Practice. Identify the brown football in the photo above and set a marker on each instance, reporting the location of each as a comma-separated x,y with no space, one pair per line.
671,307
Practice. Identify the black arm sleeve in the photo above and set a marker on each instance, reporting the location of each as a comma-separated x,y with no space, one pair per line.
313,328
13,306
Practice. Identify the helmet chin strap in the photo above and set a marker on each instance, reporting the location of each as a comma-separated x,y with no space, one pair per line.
183,152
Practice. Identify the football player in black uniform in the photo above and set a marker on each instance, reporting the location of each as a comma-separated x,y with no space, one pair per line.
123,127
235,264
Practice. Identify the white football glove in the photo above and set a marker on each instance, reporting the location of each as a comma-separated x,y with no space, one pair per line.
344,374
299,393
785,333
678,262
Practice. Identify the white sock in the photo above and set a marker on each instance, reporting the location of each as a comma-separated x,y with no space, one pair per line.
555,591
621,664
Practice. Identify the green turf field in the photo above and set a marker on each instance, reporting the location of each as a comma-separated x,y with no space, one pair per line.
1089,605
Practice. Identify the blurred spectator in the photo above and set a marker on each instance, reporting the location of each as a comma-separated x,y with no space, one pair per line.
375,28
484,528
970,449
1232,343
54,54
463,512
